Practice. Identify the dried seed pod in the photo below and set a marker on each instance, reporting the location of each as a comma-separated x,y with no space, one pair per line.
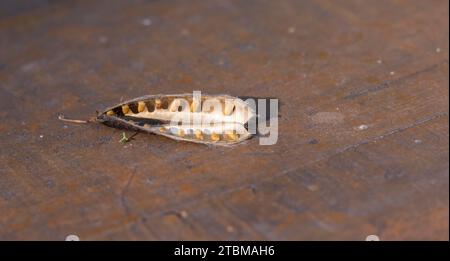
159,113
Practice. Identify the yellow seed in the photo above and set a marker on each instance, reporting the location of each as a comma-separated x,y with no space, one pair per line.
198,134
194,106
228,109
174,105
141,106
158,104
215,137
110,113
231,135
125,109
181,132
162,129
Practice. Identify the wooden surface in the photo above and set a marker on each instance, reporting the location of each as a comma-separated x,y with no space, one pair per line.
334,66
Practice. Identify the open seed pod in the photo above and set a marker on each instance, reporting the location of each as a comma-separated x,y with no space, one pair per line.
208,119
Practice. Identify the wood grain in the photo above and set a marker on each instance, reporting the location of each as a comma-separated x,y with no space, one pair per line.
334,66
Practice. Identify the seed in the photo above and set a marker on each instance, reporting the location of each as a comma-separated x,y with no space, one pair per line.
110,113
181,132
231,135
215,137
158,104
125,109
228,109
199,134
162,129
174,105
194,106
141,106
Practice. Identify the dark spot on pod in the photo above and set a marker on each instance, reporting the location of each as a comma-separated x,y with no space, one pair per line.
118,111
164,103
133,107
150,106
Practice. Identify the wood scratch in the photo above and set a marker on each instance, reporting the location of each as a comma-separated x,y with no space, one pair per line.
391,83
123,200
394,131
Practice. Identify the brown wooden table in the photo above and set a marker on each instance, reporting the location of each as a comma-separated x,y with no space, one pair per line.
363,128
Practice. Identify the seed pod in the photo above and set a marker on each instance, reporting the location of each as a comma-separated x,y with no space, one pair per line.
159,113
